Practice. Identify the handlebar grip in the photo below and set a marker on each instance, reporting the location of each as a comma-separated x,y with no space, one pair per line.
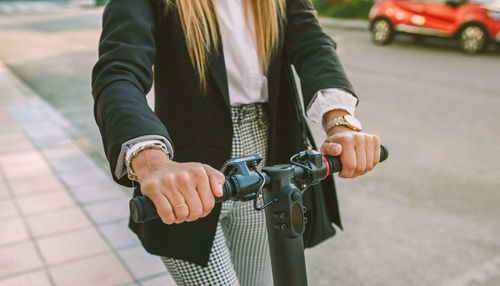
384,153
142,209
336,165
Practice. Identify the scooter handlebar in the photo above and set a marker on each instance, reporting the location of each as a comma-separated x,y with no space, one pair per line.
142,209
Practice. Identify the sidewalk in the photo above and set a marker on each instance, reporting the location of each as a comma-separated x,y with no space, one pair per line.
62,219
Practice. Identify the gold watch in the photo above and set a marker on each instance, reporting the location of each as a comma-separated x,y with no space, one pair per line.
346,120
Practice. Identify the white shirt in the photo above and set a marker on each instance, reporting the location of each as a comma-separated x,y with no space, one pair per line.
245,78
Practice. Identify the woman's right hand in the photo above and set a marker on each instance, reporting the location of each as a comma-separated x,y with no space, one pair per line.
180,191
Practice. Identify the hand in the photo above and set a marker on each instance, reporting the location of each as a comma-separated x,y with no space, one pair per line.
359,152
180,191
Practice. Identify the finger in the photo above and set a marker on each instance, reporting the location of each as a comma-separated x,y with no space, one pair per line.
207,200
332,149
360,155
163,208
217,179
194,205
376,154
204,192
186,186
348,159
369,150
181,211
175,198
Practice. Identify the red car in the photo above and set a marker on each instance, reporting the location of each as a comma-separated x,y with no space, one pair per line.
473,23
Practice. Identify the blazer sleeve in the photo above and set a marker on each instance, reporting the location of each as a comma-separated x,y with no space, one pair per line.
312,52
123,76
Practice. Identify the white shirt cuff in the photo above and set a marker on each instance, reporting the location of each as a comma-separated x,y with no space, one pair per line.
329,99
121,169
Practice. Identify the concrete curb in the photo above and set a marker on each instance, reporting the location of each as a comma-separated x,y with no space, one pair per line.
347,24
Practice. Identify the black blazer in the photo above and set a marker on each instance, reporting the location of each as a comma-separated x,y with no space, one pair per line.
137,35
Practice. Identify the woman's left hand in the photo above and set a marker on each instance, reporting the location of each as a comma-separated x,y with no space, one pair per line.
359,152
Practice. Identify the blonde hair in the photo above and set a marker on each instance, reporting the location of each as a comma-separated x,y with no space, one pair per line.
200,24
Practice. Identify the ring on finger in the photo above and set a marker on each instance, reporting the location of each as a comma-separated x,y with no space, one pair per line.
180,205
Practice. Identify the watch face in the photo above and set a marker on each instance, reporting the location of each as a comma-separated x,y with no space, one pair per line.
353,121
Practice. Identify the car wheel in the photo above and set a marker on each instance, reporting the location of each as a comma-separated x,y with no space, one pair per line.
382,32
472,39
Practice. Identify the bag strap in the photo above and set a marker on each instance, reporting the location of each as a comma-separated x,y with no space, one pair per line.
306,133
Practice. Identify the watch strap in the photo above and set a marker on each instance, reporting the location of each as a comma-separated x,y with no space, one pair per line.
328,126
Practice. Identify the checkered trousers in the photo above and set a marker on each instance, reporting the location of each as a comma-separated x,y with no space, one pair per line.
240,252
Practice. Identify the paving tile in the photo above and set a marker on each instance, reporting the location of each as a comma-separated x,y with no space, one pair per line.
163,280
48,137
58,221
9,98
21,158
31,115
68,153
17,258
47,142
108,211
128,191
72,245
100,270
74,166
12,230
97,191
36,204
27,171
8,123
119,235
74,179
140,263
38,278
40,109
3,190
37,185
72,163
14,142
7,209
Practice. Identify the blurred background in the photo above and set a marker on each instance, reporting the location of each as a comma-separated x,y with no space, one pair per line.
430,215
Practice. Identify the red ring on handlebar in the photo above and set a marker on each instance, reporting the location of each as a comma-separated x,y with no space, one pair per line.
327,167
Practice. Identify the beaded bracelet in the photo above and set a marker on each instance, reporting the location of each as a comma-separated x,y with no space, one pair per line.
130,170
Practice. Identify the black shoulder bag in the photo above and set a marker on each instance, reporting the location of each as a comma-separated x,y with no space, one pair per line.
319,226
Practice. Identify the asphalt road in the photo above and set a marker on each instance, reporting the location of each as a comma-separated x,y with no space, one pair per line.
430,215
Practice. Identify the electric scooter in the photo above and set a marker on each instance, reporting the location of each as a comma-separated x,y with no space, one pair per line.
281,187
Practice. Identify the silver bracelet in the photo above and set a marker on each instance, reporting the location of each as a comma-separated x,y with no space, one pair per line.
128,161
327,126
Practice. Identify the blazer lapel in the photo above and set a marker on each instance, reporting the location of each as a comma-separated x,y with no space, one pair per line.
274,80
217,68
